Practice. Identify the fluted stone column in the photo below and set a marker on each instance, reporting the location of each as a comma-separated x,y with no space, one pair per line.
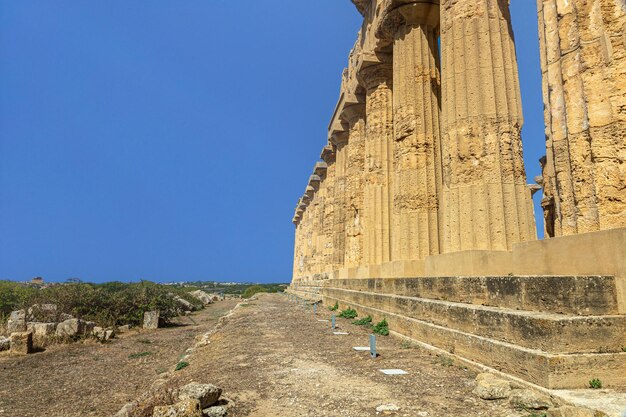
417,147
584,68
377,206
486,201
297,256
320,218
340,140
329,157
355,117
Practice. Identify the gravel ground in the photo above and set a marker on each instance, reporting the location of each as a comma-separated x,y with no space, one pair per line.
272,358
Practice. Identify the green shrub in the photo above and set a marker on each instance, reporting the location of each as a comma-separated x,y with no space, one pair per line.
381,328
139,355
253,289
110,304
335,307
365,321
595,383
181,365
348,313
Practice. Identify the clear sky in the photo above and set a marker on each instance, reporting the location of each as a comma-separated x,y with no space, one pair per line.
171,140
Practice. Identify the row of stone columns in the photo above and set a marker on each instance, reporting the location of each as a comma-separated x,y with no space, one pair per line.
432,162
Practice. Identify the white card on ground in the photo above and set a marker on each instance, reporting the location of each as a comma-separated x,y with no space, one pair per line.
361,348
393,372
339,333
323,321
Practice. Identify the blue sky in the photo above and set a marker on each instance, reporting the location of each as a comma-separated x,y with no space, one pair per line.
170,140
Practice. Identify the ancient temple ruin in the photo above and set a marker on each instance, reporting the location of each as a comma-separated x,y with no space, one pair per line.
420,210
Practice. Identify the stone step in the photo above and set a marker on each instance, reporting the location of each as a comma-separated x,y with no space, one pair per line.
579,295
549,332
553,371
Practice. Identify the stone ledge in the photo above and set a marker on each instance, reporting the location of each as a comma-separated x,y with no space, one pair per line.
581,295
549,332
572,371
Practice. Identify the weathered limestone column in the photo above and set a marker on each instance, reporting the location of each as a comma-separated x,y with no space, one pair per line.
313,190
486,201
417,146
340,140
355,117
296,252
377,206
320,218
298,262
329,156
307,233
583,51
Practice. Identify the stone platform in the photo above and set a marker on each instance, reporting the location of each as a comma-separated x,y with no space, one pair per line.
557,332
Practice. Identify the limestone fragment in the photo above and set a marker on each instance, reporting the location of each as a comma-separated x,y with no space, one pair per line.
568,411
42,329
71,328
202,296
490,387
206,394
186,408
151,320
16,322
216,411
387,407
525,399
22,343
5,343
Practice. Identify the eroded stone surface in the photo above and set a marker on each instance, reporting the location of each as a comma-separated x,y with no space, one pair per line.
186,408
489,387
583,62
22,343
151,320
206,394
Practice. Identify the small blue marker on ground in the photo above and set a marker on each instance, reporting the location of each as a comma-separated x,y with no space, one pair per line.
333,321
373,346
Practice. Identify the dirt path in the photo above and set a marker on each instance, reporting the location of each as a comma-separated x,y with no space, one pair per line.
274,359
97,379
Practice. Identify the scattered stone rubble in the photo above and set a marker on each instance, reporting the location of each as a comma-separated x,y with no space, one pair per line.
24,328
490,387
151,320
194,400
204,297
21,343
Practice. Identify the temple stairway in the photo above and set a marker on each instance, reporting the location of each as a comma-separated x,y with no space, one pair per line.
558,332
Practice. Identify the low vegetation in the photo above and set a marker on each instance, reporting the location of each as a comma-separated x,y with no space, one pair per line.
109,304
365,321
595,383
252,290
348,313
335,307
139,355
381,328
181,365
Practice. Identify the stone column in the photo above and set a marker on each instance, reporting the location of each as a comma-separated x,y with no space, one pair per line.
377,207
417,146
298,262
320,218
329,156
486,201
584,65
339,140
355,117
296,251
